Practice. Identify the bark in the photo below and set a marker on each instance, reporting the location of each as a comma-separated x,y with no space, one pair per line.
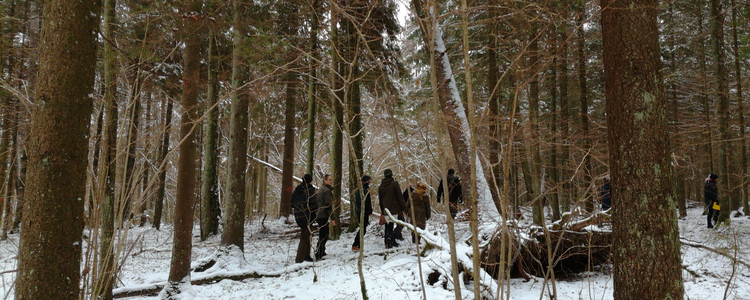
105,277
179,271
311,89
740,112
234,209
554,168
722,109
162,171
287,184
10,129
534,159
50,246
210,210
494,85
639,155
337,98
565,191
130,181
584,108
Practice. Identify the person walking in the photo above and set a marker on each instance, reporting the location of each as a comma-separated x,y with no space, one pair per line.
358,209
325,208
421,205
391,198
711,196
455,192
305,206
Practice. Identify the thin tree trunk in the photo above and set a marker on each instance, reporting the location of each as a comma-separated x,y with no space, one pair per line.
182,246
639,155
534,159
210,210
564,173
337,98
722,108
740,112
162,171
584,109
287,184
312,90
234,208
105,277
49,253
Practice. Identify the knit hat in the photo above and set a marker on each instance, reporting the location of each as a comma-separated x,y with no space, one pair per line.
307,178
366,179
713,176
388,173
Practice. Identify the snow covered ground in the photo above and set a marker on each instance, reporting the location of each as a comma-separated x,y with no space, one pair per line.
394,273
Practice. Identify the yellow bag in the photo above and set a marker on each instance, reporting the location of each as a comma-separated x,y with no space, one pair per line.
716,206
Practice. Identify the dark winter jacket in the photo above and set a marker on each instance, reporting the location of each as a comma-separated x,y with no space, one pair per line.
389,194
325,200
368,202
304,202
455,192
421,207
710,192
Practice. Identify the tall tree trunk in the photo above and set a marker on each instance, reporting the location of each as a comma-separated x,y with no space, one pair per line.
534,159
455,115
210,210
339,69
162,171
50,247
564,173
584,106
182,246
10,146
740,112
554,169
287,184
639,154
312,91
234,208
107,272
494,86
722,109
130,179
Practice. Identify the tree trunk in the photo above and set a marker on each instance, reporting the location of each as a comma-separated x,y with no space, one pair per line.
564,173
584,110
210,210
740,112
162,171
179,271
554,168
234,208
287,184
50,247
643,243
722,109
534,159
130,181
337,98
312,90
105,277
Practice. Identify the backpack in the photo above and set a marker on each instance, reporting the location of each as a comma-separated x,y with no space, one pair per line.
299,198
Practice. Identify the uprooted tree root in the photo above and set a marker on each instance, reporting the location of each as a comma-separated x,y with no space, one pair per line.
573,247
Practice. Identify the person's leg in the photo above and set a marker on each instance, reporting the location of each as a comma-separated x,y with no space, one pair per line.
388,234
709,217
303,250
322,239
397,231
454,209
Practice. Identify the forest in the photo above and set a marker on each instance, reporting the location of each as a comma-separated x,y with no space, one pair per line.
126,123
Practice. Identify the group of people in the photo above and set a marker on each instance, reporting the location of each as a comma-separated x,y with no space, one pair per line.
311,206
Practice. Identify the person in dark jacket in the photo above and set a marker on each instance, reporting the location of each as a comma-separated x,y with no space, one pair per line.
304,205
455,192
391,198
421,206
325,208
711,196
358,209
606,194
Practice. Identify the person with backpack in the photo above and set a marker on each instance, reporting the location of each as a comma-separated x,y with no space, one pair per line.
455,192
358,209
325,209
711,197
305,206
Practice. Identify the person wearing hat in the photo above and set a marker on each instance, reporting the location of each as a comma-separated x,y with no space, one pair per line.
358,209
711,196
389,194
304,205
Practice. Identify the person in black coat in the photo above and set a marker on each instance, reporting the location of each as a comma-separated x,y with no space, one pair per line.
358,209
711,196
304,205
455,192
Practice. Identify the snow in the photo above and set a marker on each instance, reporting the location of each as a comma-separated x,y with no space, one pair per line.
393,273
